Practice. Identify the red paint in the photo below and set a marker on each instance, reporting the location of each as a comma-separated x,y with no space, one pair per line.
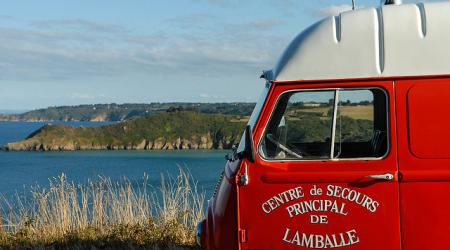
413,208
424,190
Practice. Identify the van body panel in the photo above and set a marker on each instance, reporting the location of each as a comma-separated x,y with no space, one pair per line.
418,216
424,162
222,211
353,226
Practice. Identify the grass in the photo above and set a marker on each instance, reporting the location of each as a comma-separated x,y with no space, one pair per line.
104,215
364,112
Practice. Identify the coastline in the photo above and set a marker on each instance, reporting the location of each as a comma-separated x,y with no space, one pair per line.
43,148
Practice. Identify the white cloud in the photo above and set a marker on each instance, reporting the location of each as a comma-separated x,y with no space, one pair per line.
52,52
86,96
79,25
6,17
205,95
284,5
266,23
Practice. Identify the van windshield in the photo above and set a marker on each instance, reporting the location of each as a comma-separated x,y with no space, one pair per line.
255,115
336,123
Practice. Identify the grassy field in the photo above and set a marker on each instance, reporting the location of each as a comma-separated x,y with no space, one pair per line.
364,112
104,215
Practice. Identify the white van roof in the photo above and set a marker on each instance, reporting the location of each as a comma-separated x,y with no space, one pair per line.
393,40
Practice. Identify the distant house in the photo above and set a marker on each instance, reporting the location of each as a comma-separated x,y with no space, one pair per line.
311,104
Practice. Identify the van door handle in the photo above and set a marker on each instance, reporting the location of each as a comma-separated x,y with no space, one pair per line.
386,176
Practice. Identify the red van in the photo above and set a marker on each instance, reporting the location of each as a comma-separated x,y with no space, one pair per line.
349,145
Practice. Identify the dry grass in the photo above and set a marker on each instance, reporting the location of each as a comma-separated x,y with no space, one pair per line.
104,215
364,112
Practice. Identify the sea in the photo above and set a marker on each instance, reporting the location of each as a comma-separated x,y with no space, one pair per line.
20,171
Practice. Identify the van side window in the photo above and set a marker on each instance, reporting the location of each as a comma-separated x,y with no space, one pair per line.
361,125
351,123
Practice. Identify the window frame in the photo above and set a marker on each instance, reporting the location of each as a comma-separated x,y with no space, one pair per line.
336,91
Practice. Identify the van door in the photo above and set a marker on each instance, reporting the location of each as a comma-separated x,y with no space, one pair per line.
424,151
325,170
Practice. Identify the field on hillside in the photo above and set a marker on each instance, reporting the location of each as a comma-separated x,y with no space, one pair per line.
364,112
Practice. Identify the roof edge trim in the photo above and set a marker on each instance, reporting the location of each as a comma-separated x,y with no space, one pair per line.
337,28
423,18
381,52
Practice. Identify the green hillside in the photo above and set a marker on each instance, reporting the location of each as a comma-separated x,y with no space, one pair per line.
168,130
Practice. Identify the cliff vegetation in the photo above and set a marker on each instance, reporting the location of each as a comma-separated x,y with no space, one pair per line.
162,131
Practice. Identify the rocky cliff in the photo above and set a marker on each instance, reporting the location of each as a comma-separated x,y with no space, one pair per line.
165,131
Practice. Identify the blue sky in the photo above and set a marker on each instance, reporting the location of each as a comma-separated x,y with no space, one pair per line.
56,52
